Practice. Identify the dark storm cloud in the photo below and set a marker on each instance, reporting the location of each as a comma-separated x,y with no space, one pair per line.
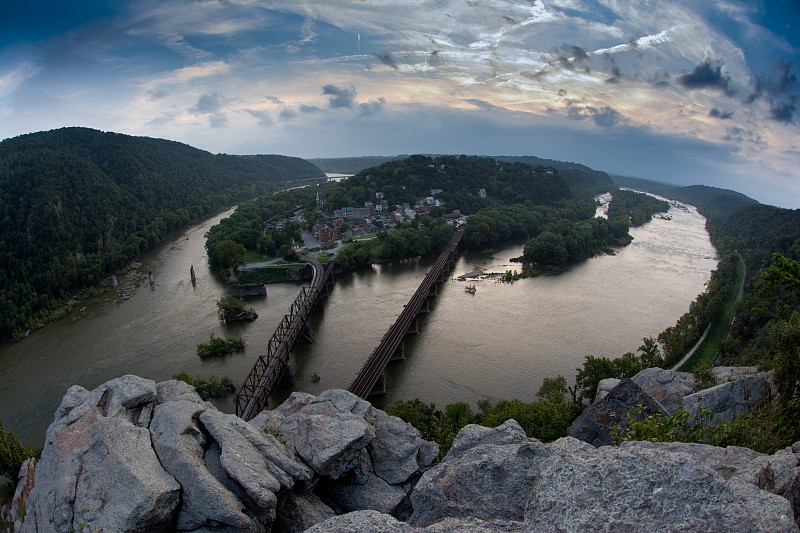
783,110
706,75
370,108
340,96
778,90
387,59
570,55
605,117
208,103
616,73
716,113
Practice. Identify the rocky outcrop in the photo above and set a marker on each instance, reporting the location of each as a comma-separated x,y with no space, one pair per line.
667,387
732,398
626,401
133,455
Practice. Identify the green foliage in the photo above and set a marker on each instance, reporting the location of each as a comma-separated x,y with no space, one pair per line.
78,204
13,453
703,376
288,253
547,418
681,427
217,346
213,387
229,307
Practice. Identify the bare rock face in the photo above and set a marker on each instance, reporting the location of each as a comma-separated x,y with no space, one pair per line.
482,464
594,425
98,466
732,398
647,488
665,386
362,458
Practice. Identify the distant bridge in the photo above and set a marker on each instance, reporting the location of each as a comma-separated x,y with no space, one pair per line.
369,379
269,369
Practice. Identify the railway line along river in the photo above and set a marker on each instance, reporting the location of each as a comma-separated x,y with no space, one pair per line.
498,342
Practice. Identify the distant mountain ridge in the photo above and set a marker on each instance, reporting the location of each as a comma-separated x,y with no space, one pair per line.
78,203
576,175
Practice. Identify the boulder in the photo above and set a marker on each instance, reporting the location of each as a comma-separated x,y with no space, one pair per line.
725,374
729,399
665,386
482,464
372,521
647,488
298,512
624,400
98,466
604,387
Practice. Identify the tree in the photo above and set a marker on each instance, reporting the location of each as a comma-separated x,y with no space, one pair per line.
229,254
649,353
229,307
288,253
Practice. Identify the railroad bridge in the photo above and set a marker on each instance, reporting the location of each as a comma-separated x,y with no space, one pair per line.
269,370
370,378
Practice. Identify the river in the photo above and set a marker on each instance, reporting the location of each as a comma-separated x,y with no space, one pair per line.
498,343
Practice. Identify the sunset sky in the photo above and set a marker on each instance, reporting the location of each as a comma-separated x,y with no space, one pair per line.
682,91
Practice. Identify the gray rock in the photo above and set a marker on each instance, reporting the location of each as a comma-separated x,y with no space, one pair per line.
25,483
176,390
375,494
594,425
665,386
488,474
362,522
604,387
633,488
398,451
330,444
372,521
98,466
727,400
255,461
725,374
298,512
179,443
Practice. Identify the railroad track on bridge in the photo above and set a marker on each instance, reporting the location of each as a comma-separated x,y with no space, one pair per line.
268,369
373,369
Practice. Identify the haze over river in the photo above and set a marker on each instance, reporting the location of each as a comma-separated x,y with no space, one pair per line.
498,343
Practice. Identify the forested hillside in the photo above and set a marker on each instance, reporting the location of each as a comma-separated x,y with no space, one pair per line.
77,203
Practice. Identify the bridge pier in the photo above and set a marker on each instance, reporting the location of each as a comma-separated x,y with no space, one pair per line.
380,387
287,378
399,354
413,328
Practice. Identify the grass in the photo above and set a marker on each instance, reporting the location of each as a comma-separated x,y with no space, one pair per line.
254,256
708,350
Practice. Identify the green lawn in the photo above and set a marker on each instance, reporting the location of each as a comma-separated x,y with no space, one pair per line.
254,256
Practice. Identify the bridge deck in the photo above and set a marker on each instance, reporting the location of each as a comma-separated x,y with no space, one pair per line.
253,394
375,365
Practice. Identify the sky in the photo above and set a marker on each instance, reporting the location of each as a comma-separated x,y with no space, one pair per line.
680,91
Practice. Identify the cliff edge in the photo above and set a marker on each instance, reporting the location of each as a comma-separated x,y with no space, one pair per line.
137,456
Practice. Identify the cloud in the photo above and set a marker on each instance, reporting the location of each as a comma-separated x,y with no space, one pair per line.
274,99
778,91
569,55
783,110
387,59
217,120
13,79
707,74
373,106
481,104
308,109
716,113
208,103
616,72
340,96
158,94
264,118
605,117
287,114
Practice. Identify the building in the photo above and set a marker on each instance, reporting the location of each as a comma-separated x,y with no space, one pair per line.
324,233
